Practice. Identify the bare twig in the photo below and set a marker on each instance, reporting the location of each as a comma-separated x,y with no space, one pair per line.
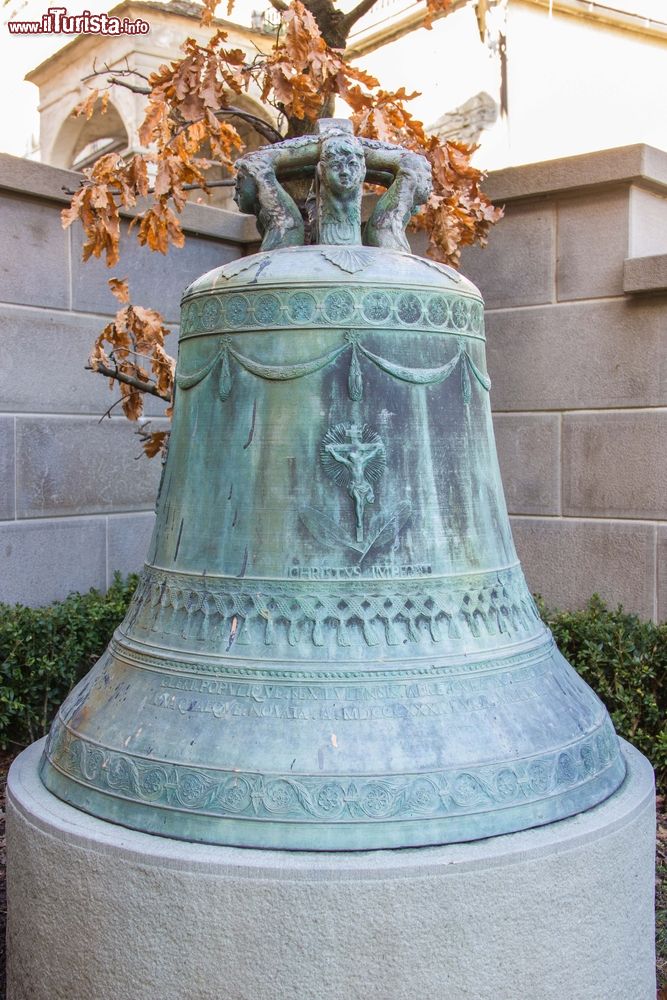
116,72
144,433
186,187
209,184
267,131
136,383
107,413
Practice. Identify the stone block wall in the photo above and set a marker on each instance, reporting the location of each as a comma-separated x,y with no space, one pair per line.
575,282
76,494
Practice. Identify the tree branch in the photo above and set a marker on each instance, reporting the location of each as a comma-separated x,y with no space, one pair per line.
117,79
136,383
209,184
186,187
357,13
117,82
278,5
267,131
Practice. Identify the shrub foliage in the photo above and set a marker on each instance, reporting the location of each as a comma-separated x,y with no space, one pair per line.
45,651
624,660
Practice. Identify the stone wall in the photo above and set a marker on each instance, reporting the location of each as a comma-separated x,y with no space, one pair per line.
76,494
575,282
575,279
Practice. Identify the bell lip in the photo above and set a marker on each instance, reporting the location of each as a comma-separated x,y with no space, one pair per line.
340,837
350,835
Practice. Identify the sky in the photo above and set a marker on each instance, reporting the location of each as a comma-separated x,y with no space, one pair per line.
19,120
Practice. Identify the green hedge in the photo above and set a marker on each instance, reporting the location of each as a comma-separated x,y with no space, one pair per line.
624,660
44,651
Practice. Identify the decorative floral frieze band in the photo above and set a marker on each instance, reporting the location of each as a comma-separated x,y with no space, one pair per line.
362,612
327,307
330,798
221,362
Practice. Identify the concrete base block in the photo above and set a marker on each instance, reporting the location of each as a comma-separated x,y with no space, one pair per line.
98,912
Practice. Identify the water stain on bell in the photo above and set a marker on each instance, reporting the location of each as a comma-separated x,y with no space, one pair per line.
332,645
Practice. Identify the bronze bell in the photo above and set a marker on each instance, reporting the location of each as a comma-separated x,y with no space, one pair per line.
332,646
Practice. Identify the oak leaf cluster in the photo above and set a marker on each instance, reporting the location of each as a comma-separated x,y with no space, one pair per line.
189,126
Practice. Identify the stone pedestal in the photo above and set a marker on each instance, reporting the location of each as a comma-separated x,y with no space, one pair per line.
98,912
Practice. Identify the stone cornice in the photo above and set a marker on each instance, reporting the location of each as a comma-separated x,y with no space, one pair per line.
27,177
639,164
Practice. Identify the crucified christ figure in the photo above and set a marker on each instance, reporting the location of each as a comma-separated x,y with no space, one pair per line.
362,456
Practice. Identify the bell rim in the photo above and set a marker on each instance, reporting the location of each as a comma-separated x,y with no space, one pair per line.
286,835
348,811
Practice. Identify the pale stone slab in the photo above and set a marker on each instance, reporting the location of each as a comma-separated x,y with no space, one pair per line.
562,911
43,561
42,363
604,354
568,560
42,359
593,234
615,464
517,268
128,537
31,177
648,223
156,281
636,164
7,476
77,465
662,573
645,274
34,254
529,455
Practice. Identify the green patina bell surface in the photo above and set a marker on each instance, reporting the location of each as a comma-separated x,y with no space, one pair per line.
332,646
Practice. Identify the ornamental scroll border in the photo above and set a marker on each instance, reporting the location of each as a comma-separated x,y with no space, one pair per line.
309,799
355,385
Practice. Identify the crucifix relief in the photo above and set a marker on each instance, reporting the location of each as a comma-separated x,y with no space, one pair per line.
354,456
